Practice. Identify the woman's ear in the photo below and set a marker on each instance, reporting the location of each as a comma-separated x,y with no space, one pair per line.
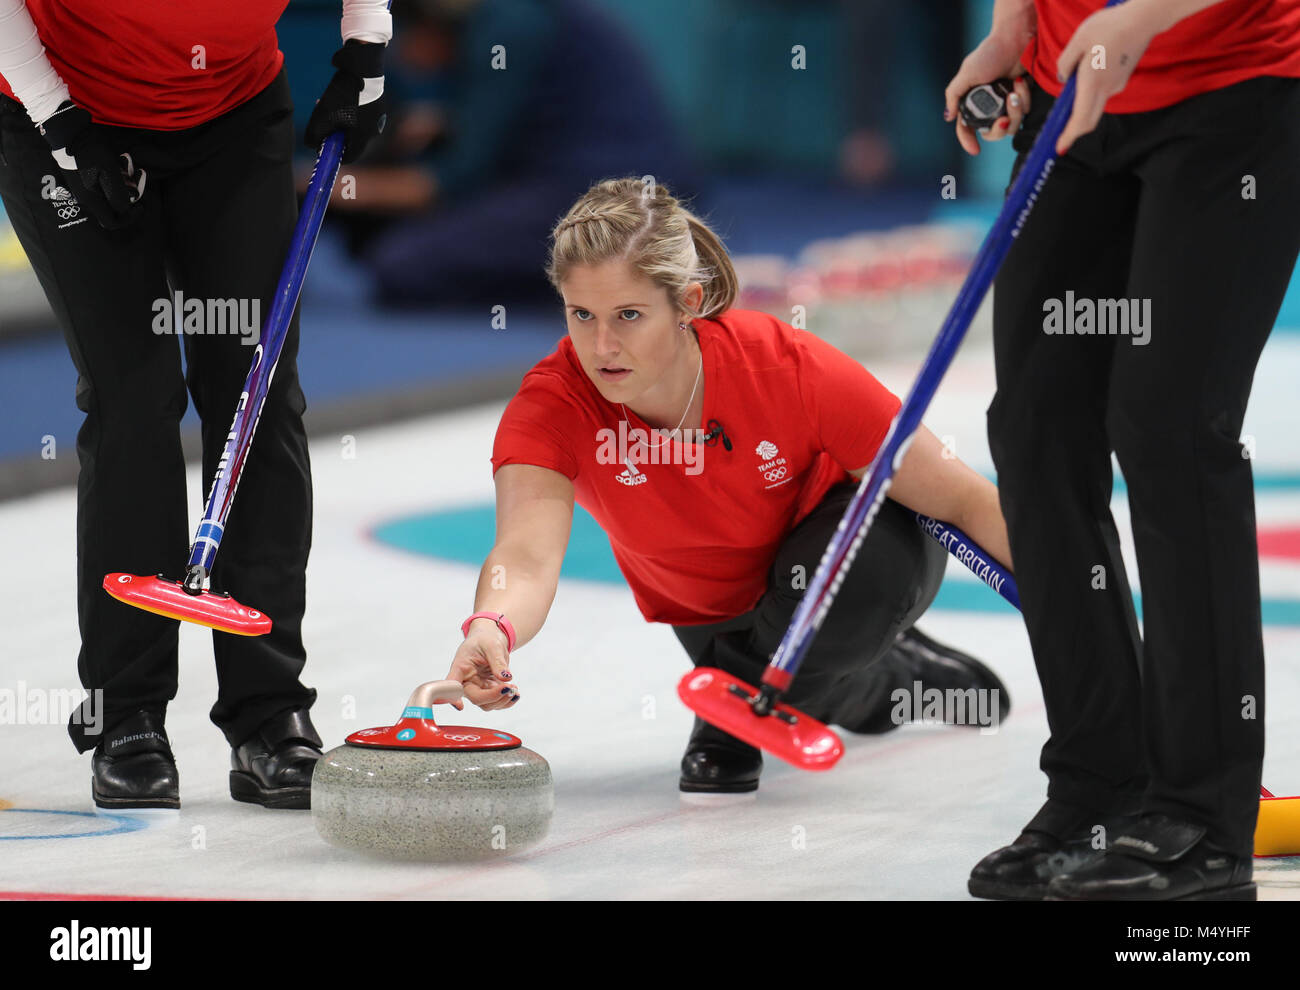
693,296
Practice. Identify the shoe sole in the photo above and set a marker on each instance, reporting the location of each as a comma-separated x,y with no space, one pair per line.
133,804
712,800
691,787
991,890
1240,892
244,787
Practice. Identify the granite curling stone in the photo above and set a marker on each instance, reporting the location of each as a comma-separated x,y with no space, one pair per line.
420,791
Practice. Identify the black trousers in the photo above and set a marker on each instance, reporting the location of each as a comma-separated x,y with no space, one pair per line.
219,213
848,674
1196,209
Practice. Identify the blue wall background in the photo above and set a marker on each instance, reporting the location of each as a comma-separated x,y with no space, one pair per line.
716,62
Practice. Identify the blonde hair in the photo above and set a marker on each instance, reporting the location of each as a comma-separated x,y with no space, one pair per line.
642,223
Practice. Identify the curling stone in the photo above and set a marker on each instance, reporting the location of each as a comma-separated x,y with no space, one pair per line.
420,791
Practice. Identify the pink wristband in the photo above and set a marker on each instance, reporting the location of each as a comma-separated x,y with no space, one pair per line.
502,623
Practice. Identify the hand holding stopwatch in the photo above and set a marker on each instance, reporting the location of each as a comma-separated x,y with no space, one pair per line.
983,105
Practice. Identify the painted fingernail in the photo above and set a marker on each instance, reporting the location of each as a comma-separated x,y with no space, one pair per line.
506,691
1014,101
1003,123
506,675
947,114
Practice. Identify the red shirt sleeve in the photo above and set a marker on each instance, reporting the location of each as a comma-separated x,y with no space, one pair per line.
534,427
847,407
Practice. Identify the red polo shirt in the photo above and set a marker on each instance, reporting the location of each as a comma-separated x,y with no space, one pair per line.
161,66
695,528
1227,43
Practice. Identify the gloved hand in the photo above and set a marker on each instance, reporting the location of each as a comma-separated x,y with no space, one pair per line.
106,183
353,102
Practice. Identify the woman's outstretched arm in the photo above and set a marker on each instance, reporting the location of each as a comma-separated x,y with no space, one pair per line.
518,579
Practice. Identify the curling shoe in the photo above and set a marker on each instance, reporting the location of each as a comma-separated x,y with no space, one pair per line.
915,659
942,667
273,767
1159,859
719,763
133,767
1060,838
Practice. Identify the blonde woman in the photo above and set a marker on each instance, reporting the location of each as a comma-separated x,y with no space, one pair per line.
718,450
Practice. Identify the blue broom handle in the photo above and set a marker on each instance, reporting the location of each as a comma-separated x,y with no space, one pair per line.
861,512
266,355
968,552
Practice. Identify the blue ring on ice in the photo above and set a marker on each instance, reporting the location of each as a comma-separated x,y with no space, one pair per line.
465,535
120,824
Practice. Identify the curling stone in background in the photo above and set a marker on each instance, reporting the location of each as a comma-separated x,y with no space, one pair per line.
420,791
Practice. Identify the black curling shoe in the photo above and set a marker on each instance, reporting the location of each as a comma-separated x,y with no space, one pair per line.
1159,859
133,767
273,767
944,668
925,666
1060,838
719,763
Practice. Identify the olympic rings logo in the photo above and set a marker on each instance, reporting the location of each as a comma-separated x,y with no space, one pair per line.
68,212
775,475
460,738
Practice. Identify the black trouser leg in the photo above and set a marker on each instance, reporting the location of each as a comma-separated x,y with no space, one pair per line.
1215,265
847,671
1213,262
1047,435
131,512
233,246
219,215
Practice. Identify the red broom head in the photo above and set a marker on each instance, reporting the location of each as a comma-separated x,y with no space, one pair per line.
164,596
795,738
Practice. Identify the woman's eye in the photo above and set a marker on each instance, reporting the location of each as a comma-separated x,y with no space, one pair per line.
581,314
634,315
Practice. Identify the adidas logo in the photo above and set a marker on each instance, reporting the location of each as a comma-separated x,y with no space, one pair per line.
631,476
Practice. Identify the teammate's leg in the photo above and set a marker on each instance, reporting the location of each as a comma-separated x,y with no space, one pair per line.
860,656
131,512
230,216
1216,241
1047,434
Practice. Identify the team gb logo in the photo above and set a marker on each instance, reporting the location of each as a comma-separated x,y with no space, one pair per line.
774,469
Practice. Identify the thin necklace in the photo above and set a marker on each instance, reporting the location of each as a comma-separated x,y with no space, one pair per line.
694,387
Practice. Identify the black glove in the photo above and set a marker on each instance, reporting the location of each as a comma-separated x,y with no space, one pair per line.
340,108
106,183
